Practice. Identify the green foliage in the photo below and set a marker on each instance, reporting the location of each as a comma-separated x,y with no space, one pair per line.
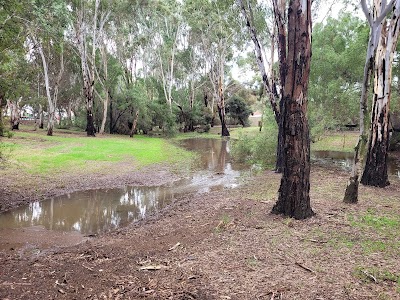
259,149
238,109
339,49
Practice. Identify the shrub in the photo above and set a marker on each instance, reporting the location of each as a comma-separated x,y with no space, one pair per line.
259,149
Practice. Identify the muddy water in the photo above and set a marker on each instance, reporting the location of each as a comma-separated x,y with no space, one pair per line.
345,161
66,220
90,212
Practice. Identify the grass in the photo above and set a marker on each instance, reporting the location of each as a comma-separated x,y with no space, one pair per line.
373,274
38,153
371,220
336,141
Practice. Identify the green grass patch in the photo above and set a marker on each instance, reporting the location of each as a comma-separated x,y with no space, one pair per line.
376,275
336,141
371,220
244,131
42,154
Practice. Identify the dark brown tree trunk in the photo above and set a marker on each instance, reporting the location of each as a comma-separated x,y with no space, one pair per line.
50,131
221,105
90,129
280,144
224,129
294,197
41,117
375,172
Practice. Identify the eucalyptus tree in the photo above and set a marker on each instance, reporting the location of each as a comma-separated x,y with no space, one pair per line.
168,25
12,33
375,171
46,30
215,25
90,17
293,22
135,51
268,80
101,71
375,15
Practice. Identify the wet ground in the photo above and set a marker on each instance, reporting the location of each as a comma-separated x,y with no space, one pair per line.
220,244
87,213
70,218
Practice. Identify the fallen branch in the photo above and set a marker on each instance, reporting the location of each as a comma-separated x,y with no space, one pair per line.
304,267
174,247
151,268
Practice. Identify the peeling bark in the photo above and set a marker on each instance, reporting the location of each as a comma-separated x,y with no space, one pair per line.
375,21
375,172
87,66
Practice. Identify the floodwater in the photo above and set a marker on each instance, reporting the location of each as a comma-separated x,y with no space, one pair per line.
345,161
93,211
69,219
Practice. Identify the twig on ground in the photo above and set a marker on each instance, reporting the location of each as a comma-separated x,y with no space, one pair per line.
174,247
304,267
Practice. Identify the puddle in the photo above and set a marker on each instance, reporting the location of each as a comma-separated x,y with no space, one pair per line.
345,161
89,212
69,219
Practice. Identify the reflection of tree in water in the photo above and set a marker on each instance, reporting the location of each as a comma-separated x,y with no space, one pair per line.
100,210
90,211
221,158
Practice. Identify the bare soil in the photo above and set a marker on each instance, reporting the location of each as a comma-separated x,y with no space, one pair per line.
221,245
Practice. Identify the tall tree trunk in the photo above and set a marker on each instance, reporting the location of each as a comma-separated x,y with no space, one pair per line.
375,22
111,116
1,115
106,88
15,113
90,129
375,172
41,117
221,113
221,95
294,198
134,123
269,85
88,71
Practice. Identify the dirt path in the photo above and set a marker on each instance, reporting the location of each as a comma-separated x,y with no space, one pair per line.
225,246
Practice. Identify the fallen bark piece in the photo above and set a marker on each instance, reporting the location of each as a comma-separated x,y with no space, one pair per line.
174,247
370,276
151,268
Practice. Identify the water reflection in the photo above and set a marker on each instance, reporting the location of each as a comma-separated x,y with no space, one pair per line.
345,160
94,211
90,211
